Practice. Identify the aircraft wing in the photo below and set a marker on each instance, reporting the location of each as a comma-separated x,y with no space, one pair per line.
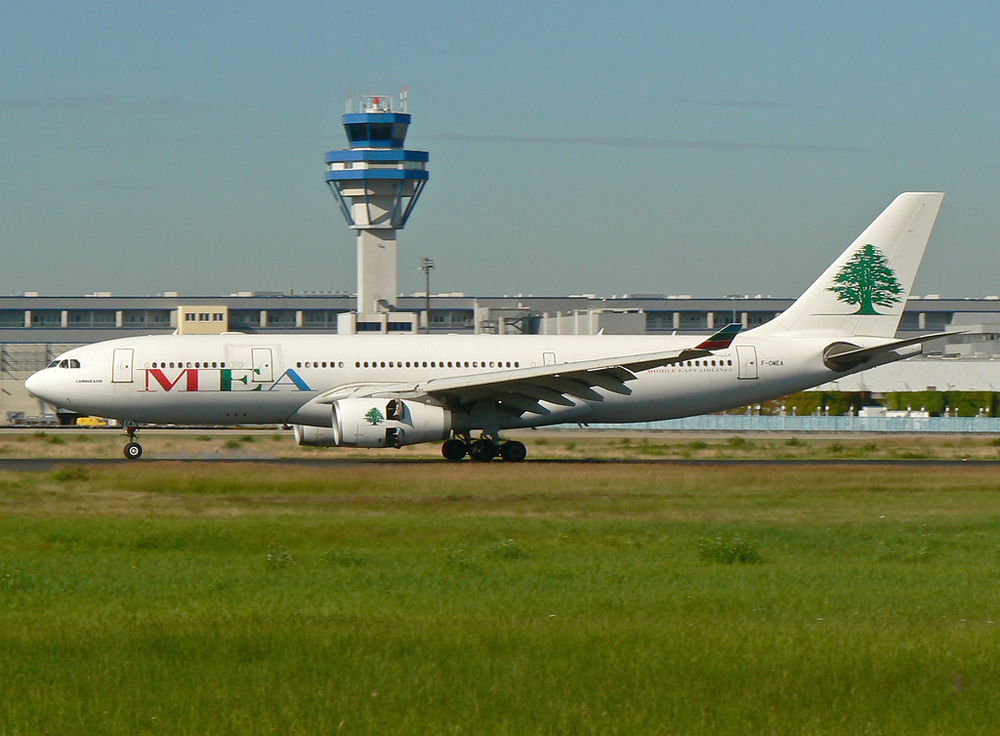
520,390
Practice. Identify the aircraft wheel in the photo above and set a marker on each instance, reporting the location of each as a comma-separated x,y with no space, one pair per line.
483,451
454,450
133,450
513,451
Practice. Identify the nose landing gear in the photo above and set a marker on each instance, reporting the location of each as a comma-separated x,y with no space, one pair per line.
133,450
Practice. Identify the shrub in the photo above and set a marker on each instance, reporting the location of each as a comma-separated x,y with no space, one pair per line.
344,558
904,551
70,474
728,550
280,559
506,549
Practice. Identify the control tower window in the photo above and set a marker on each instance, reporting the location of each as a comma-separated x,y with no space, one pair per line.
398,133
381,131
357,132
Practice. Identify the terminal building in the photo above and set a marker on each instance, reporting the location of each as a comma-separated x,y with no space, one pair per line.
34,328
376,183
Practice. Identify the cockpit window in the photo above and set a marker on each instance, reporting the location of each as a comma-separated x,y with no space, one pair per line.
53,364
64,364
74,363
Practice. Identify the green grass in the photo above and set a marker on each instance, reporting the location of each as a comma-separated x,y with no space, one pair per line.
431,598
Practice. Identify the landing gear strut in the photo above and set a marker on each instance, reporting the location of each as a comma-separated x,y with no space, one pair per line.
133,450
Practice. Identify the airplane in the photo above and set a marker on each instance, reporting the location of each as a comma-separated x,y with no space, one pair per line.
379,391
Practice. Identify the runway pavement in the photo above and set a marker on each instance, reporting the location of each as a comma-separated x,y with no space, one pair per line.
44,465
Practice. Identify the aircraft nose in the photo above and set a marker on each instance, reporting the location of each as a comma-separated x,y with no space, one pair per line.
35,384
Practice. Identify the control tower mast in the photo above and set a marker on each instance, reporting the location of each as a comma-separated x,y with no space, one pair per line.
376,183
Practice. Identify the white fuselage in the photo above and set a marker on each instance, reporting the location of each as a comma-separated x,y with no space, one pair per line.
253,379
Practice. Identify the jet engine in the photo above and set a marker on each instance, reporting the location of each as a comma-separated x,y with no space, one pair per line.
378,423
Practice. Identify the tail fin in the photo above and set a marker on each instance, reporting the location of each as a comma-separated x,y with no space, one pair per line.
865,290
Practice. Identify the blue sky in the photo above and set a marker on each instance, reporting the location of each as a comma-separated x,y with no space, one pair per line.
700,148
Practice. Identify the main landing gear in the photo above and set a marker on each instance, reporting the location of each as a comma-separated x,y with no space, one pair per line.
484,449
133,450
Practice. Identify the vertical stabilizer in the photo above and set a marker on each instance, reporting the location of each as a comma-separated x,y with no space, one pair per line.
865,290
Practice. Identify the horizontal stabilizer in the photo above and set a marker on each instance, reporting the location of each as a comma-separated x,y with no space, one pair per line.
843,357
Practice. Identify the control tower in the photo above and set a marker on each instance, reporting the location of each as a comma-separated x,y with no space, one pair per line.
377,183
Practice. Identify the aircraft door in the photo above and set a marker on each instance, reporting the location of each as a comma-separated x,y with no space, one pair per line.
121,365
262,366
746,359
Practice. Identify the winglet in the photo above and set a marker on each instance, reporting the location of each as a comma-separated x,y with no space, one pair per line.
721,339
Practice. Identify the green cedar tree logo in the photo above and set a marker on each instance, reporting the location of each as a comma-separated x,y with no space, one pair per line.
374,417
867,280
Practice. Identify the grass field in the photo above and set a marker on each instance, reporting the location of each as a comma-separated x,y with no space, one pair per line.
570,598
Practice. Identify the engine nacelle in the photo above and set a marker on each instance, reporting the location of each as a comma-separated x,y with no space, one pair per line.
378,423
307,436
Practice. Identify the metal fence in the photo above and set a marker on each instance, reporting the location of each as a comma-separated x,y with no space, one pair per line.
753,423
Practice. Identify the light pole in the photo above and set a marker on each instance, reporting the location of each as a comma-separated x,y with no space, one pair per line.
426,264
732,299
